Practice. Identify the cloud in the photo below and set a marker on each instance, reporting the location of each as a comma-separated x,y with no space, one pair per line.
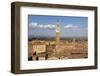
33,24
37,25
70,26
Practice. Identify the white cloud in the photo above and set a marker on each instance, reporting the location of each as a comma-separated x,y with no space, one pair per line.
33,24
70,26
36,25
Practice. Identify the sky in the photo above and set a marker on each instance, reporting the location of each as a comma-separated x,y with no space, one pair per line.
44,26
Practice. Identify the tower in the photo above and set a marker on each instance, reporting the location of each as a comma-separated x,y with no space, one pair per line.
57,34
73,41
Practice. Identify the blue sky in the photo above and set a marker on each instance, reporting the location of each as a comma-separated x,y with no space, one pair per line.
44,26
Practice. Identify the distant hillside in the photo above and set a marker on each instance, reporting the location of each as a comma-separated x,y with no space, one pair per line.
53,38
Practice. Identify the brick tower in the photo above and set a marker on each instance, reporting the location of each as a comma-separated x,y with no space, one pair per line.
57,34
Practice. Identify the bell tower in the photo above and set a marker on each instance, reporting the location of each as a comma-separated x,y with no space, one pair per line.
57,34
